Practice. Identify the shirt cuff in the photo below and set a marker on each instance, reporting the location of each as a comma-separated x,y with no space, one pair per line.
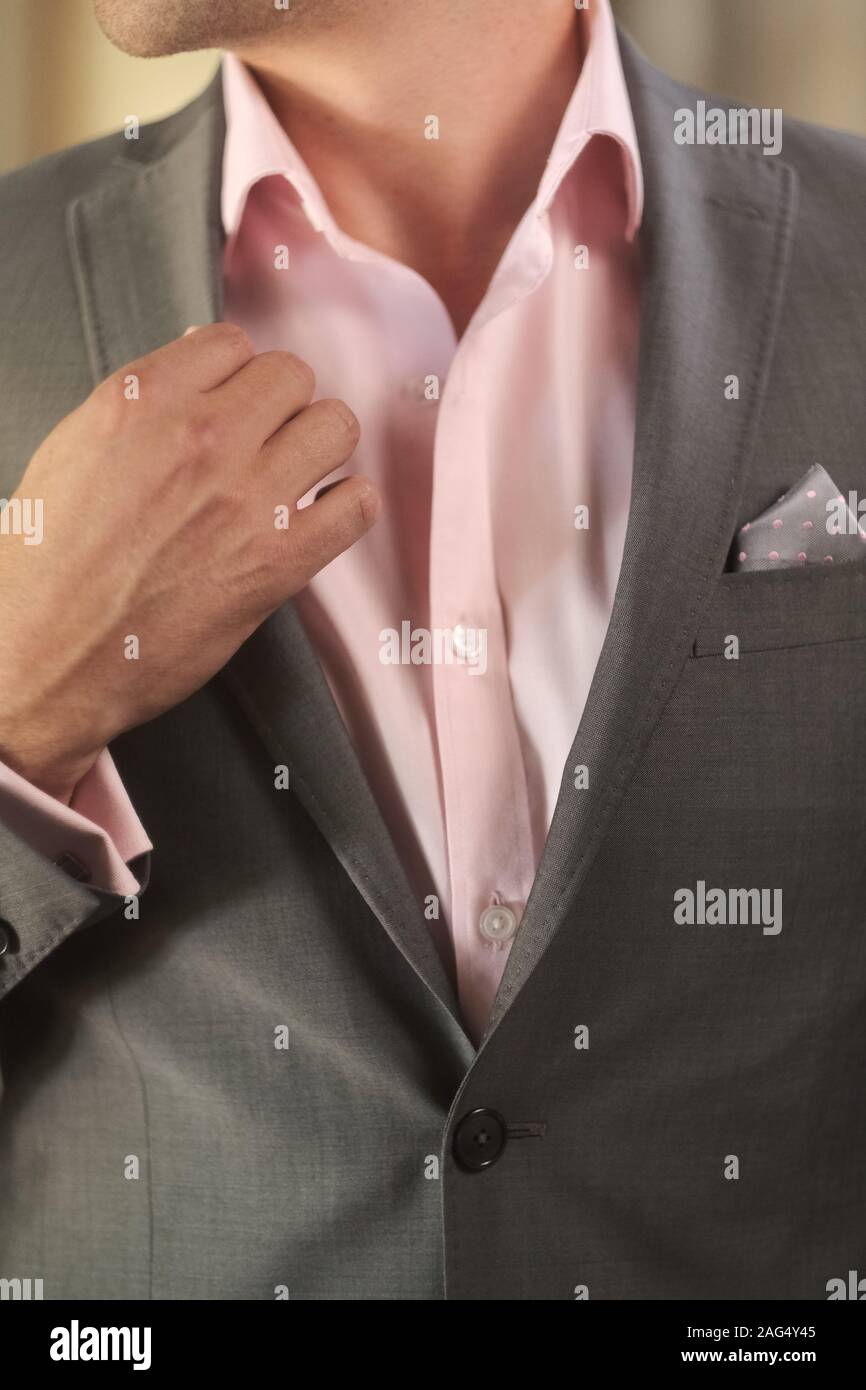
99,828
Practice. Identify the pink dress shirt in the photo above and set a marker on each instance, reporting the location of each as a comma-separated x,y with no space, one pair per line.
504,461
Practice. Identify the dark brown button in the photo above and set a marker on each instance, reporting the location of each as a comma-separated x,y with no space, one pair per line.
479,1139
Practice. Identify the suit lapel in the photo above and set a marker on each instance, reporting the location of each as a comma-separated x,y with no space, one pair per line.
277,678
714,242
146,247
146,244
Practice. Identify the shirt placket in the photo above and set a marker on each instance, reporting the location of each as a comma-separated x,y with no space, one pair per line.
488,831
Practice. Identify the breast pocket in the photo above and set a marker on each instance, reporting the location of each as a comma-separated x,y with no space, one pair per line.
769,718
768,610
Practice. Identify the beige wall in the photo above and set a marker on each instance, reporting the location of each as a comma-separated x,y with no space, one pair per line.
61,82
806,56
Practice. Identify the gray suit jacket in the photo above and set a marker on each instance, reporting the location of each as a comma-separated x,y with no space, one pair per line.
328,1169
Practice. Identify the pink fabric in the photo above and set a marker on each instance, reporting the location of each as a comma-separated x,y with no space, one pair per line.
534,419
99,827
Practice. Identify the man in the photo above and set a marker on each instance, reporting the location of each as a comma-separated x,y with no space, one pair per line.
503,935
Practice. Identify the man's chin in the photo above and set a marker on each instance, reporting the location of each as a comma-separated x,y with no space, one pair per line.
158,28
141,45
133,30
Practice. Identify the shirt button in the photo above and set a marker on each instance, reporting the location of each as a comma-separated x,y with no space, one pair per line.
466,642
479,1139
497,923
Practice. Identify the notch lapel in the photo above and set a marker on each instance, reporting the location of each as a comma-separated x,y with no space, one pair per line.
715,238
278,681
146,248
146,244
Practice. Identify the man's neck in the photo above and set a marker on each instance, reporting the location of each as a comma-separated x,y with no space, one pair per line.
356,101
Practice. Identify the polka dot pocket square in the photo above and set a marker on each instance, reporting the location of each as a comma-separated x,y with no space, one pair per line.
811,524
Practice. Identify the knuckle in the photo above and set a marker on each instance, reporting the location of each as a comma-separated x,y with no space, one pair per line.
369,502
360,505
235,337
300,371
341,419
197,435
116,396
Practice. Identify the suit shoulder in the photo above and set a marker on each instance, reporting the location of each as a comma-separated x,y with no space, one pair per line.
57,178
49,183
831,165
824,158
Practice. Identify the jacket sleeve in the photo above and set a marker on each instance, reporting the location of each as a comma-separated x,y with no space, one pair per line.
63,867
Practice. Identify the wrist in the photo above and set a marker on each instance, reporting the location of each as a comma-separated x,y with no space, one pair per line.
46,765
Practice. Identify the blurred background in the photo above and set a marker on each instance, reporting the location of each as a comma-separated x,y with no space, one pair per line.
61,82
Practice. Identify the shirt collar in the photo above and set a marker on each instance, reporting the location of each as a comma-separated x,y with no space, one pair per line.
599,105
257,146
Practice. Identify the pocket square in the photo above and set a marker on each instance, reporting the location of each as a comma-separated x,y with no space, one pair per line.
811,524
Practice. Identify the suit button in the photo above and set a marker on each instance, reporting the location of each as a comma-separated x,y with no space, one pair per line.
5,936
479,1139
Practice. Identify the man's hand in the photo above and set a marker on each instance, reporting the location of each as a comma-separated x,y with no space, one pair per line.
165,497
